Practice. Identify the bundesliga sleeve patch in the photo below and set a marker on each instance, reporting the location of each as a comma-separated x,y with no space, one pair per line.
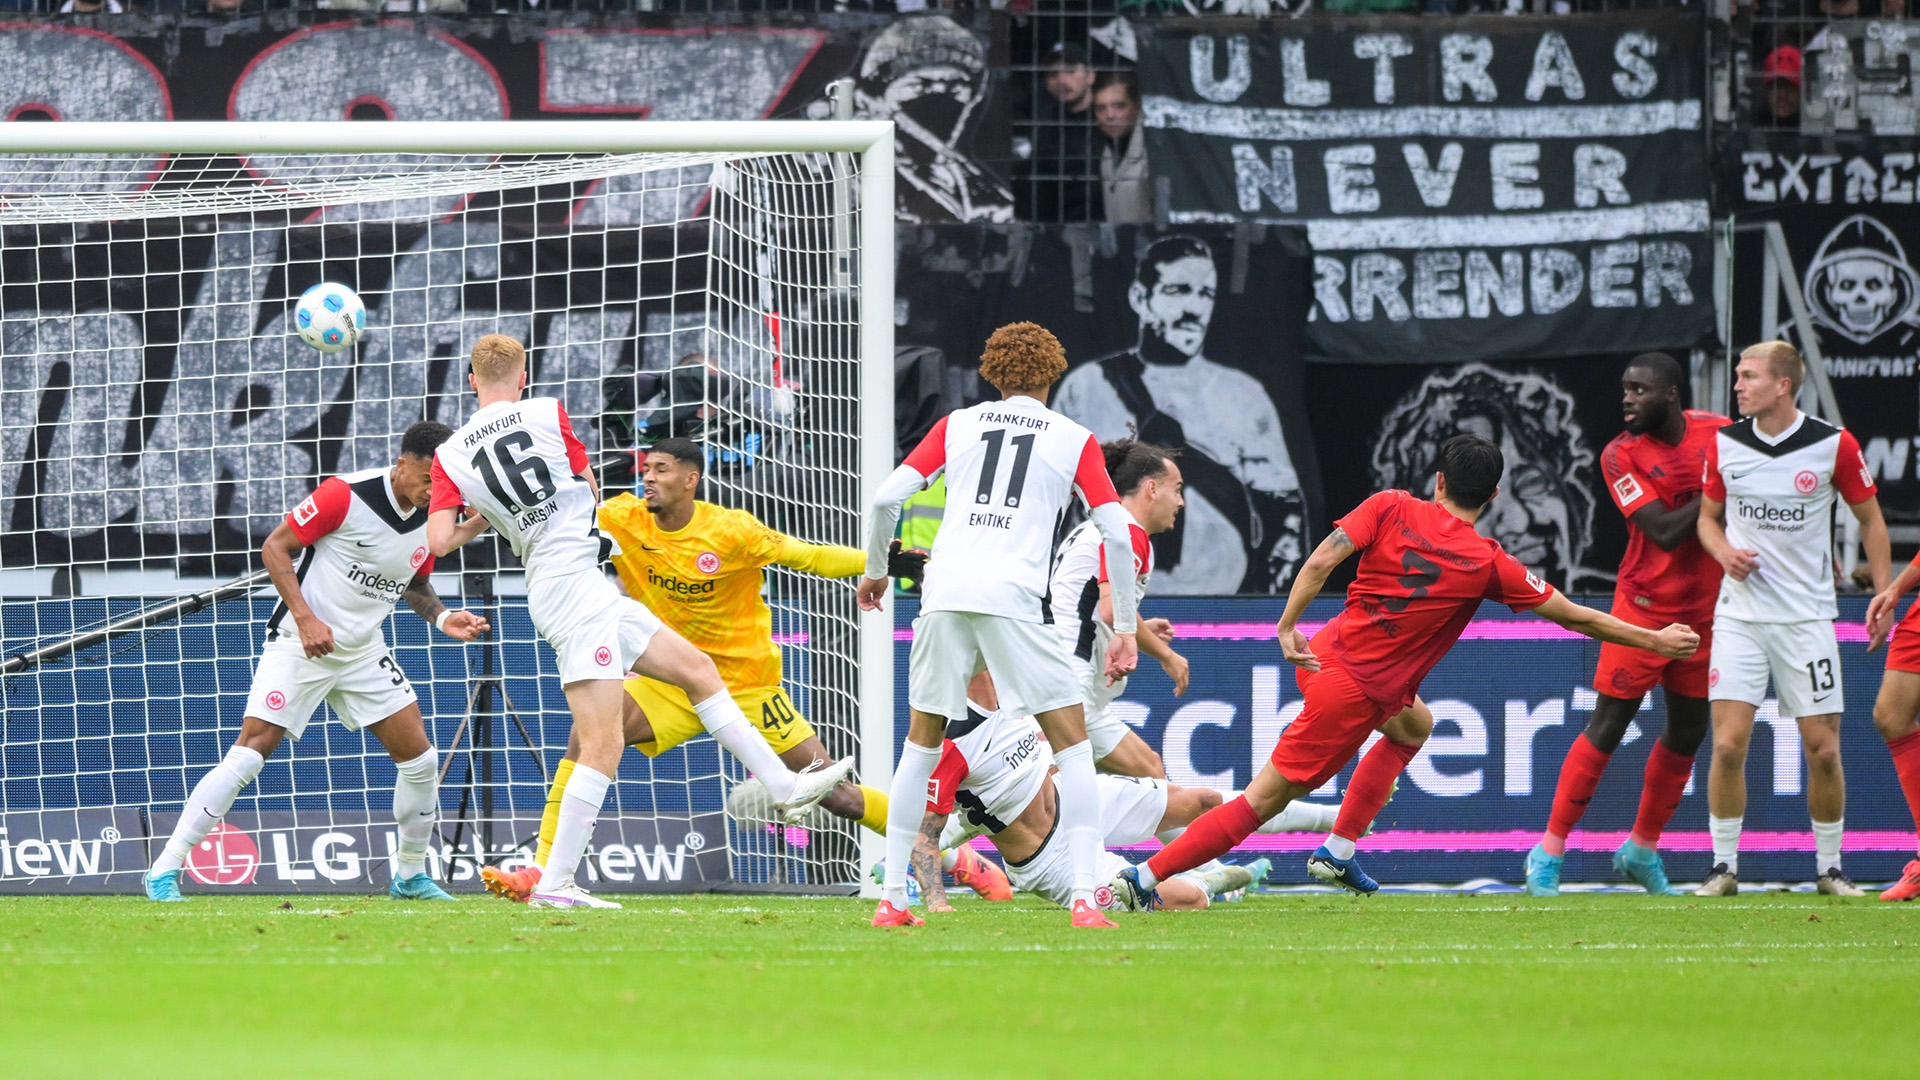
306,512
1627,488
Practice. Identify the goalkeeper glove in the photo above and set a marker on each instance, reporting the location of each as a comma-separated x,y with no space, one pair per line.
910,563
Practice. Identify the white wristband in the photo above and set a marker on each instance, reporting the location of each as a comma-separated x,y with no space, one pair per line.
440,623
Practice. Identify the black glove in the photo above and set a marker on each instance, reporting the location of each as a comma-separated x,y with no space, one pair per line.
910,563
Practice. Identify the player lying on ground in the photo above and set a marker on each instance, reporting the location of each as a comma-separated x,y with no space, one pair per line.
1653,471
1898,705
516,466
984,599
1423,572
994,766
364,549
701,568
1766,515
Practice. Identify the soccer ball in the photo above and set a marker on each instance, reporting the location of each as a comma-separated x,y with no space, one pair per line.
329,317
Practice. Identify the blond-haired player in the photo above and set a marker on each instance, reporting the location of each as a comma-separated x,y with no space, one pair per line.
700,568
517,466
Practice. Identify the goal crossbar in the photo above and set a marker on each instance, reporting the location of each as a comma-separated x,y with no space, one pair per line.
450,137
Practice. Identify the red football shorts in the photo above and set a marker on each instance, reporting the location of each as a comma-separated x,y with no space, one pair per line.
1329,731
1627,672
1903,648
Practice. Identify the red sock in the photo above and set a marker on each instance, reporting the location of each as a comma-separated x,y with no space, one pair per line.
1371,784
1668,771
1212,835
1578,777
1906,762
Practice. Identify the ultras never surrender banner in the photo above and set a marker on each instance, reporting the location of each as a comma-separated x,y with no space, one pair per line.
1472,188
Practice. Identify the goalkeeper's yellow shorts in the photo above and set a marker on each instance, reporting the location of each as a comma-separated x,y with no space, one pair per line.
673,720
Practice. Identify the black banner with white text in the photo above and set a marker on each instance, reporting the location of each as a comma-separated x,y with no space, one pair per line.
1501,188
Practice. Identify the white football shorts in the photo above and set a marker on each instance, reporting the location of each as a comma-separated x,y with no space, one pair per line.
596,632
1033,669
1803,659
364,685
1130,812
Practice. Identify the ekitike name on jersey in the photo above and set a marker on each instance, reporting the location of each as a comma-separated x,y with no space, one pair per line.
678,587
991,521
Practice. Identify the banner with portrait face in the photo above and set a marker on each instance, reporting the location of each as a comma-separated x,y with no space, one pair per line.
1190,338
1381,427
1476,188
1846,207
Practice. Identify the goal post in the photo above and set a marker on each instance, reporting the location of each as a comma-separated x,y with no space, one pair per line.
165,418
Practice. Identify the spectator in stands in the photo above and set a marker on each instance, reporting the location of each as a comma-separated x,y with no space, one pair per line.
1126,187
1781,86
1065,166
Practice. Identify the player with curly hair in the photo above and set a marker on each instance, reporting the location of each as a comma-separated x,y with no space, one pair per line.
1011,467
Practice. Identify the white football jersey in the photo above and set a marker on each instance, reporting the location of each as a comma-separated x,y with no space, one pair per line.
991,766
362,551
1011,468
1077,574
518,464
1779,494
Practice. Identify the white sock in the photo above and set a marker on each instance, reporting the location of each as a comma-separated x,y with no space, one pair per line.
1148,879
949,858
722,718
1301,817
1339,847
1826,844
416,805
1080,815
1726,841
1168,836
209,801
906,807
579,807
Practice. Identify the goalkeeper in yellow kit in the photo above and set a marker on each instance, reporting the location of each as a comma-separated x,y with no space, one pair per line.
700,568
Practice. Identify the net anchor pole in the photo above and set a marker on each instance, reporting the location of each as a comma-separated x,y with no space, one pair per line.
477,727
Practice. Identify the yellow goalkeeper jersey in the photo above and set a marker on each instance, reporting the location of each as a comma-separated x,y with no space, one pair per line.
704,580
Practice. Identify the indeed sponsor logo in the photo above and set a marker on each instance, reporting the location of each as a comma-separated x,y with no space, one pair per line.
1759,511
677,586
375,580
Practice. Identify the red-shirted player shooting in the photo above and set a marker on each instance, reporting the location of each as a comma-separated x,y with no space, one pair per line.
1895,710
1653,473
1423,572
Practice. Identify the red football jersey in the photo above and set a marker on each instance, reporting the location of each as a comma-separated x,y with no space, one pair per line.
1423,573
1679,585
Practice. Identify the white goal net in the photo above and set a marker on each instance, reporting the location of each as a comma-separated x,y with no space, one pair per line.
158,418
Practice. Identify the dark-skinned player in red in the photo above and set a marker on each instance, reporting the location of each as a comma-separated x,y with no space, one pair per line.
1423,572
1653,471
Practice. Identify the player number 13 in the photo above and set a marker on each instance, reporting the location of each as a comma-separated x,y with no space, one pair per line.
1820,674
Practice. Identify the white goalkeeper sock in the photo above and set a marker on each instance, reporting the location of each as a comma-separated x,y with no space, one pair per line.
1301,817
1725,832
579,807
906,807
722,718
416,805
1826,844
209,801
1080,815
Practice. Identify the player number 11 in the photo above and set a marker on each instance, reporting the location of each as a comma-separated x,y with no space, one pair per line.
1022,454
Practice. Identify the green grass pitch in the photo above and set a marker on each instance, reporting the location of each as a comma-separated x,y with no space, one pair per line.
1278,985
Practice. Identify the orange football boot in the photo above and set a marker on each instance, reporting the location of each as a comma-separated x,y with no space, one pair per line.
1908,887
980,875
1085,914
888,915
514,885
